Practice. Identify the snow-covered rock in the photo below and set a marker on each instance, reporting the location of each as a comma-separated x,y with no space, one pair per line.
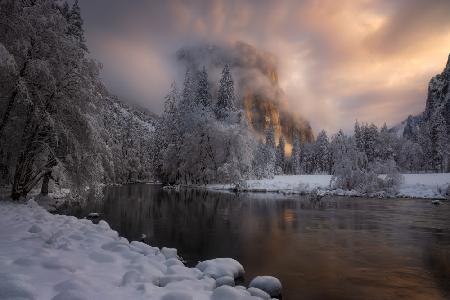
258,293
225,280
45,256
268,284
220,267
227,292
169,252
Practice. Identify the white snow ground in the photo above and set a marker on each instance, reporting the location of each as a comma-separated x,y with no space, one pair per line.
430,186
45,256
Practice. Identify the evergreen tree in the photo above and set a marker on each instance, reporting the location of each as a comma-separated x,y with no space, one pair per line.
307,159
203,96
439,142
270,149
386,144
65,10
280,165
358,137
187,104
225,97
270,136
263,162
295,155
426,145
370,137
322,156
76,24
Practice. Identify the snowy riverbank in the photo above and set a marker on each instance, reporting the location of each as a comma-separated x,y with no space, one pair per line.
45,256
428,186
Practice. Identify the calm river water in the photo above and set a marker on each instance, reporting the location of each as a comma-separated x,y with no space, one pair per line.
338,248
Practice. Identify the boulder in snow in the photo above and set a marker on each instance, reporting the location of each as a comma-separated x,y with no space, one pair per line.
258,293
225,280
268,284
227,293
169,252
219,267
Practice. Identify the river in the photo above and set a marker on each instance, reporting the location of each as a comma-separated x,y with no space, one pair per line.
332,249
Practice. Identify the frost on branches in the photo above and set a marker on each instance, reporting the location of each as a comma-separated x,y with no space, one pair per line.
59,127
201,139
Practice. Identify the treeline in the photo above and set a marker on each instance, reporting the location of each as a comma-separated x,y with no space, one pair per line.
426,153
58,124
203,138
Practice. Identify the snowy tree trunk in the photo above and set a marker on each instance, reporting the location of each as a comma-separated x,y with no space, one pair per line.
45,182
8,111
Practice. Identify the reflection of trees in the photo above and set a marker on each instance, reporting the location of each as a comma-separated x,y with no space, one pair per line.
336,248
437,260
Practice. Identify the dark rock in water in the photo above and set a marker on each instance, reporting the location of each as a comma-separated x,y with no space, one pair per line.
436,202
93,216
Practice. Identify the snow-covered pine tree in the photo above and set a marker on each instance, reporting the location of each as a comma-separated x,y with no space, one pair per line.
295,154
188,93
225,97
76,24
65,10
203,96
322,155
358,135
263,164
386,144
439,142
307,159
280,164
370,137
270,136
424,140
167,139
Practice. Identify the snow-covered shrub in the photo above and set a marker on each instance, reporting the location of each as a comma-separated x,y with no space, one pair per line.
352,171
391,179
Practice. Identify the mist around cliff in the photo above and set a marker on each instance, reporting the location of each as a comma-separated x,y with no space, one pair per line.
258,92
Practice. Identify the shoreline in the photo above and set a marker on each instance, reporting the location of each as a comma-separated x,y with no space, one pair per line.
431,186
51,256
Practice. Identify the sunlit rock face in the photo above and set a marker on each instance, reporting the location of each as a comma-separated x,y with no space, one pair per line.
258,91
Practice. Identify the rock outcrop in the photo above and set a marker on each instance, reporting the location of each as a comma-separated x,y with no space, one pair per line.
438,101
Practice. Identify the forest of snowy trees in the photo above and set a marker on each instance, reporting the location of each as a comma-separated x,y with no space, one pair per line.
203,138
58,124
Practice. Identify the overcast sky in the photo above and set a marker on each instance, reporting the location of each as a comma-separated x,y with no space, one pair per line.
339,61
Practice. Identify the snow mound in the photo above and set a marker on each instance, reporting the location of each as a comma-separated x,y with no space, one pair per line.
259,293
45,256
227,292
268,284
225,280
220,267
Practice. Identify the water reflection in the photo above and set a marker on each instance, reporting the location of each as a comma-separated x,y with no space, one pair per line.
337,248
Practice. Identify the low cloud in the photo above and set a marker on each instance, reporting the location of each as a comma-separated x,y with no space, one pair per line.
338,60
